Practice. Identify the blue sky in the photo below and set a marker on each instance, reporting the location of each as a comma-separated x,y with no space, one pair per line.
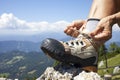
46,10
33,17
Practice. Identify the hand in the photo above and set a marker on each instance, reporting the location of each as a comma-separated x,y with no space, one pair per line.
103,31
73,28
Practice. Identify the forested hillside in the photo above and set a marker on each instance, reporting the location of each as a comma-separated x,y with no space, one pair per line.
22,65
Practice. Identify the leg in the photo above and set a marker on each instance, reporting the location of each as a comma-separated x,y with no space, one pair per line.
102,8
99,10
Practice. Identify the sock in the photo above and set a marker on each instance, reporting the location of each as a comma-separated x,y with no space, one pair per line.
91,25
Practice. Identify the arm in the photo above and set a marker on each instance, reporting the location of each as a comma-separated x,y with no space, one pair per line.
117,18
99,9
103,32
108,12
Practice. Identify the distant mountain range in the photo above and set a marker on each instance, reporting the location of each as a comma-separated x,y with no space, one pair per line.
32,37
25,46
27,43
28,46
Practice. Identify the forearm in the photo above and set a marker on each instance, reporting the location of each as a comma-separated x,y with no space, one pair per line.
117,18
102,8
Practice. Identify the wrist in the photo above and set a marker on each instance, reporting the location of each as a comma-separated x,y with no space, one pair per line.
117,18
113,19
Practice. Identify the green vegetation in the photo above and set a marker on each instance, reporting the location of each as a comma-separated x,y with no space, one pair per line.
113,59
4,75
15,59
23,65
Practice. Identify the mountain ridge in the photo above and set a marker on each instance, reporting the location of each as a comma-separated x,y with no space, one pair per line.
26,46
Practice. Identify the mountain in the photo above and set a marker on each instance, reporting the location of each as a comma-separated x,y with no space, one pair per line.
22,65
33,37
27,43
26,46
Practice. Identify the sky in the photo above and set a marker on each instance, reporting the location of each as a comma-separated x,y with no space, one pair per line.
46,10
37,16
31,17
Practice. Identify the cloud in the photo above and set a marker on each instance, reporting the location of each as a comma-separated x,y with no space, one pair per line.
11,24
116,28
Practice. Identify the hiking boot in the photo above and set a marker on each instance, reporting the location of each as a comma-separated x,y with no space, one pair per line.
82,50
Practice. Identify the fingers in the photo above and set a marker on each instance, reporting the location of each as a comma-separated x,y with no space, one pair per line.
75,33
69,30
72,32
101,34
78,24
104,36
73,28
75,24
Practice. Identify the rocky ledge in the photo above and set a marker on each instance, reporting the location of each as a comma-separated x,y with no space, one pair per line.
68,72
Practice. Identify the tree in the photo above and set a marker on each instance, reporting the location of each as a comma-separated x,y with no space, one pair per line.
114,48
102,50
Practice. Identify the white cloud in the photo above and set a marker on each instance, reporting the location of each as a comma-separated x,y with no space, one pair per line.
9,23
116,28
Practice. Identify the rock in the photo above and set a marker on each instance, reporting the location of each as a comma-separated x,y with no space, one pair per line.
51,74
116,70
101,63
67,72
87,76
